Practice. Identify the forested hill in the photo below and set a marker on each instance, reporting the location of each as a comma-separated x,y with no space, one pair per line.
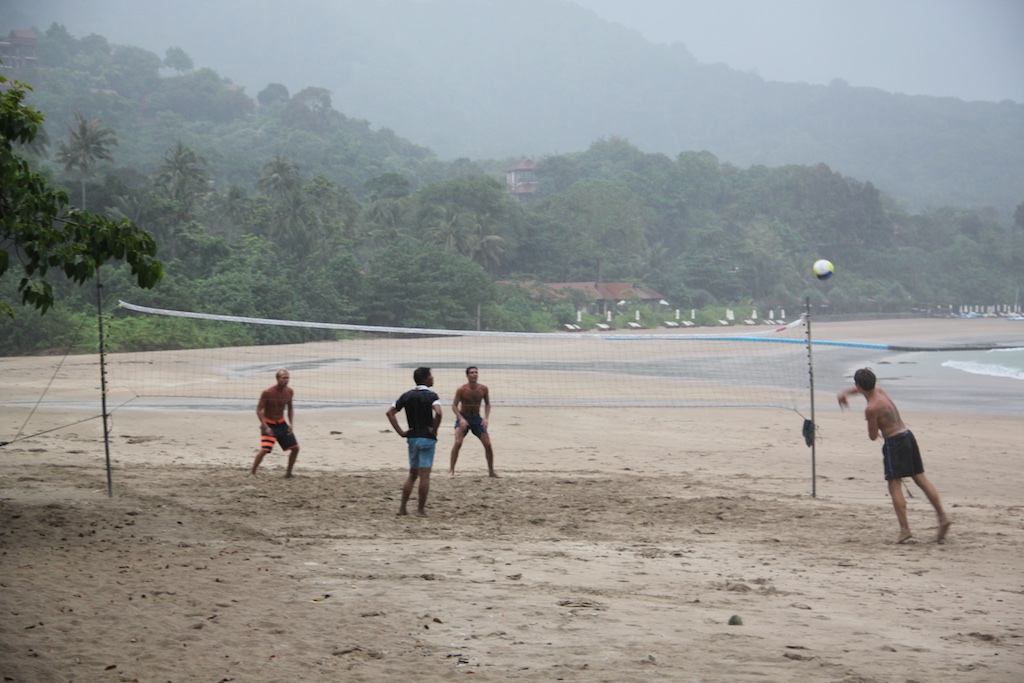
487,79
281,206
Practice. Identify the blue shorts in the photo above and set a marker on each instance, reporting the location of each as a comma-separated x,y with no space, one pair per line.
421,452
475,424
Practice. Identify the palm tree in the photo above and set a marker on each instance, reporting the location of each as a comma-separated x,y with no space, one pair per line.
89,144
184,176
281,182
385,221
486,250
280,179
451,230
131,207
236,210
293,228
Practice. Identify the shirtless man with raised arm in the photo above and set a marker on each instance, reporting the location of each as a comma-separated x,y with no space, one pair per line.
466,407
900,454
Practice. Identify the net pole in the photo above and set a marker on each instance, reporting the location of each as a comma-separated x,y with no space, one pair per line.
103,381
810,372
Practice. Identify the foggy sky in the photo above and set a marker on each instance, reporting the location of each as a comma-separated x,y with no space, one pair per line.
970,49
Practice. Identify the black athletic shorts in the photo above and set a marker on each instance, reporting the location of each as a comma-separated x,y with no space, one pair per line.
901,457
281,434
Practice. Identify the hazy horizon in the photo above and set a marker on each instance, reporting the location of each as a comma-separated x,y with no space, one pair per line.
968,49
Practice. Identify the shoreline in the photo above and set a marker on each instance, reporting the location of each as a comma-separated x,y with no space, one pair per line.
913,375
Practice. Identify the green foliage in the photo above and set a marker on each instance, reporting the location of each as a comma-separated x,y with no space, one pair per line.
154,333
274,93
37,226
89,144
388,186
335,291
710,316
177,59
200,95
133,72
600,229
514,310
564,312
294,211
60,331
310,109
184,178
471,215
411,285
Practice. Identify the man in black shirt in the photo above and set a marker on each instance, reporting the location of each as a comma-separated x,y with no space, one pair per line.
423,414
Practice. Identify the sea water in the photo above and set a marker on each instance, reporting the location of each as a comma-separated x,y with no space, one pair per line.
1007,363
982,381
975,380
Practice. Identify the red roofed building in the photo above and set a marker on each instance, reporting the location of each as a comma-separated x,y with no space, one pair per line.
19,50
521,179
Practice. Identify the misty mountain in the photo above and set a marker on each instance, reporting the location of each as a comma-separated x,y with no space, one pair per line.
493,79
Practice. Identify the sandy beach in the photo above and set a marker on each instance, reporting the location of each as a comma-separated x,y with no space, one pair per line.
619,544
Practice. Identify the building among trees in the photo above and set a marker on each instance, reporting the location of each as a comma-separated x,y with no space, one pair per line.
521,179
19,50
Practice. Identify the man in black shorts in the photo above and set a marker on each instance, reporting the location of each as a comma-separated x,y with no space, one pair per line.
466,406
273,426
900,454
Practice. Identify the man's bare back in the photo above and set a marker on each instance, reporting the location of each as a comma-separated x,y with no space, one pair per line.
883,412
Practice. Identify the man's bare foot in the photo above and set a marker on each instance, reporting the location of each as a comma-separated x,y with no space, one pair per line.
451,474
493,474
944,524
904,536
403,511
421,513
288,475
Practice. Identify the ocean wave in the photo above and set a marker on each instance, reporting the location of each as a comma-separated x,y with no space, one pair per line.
990,369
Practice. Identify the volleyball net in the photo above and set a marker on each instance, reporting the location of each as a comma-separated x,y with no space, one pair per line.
760,366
